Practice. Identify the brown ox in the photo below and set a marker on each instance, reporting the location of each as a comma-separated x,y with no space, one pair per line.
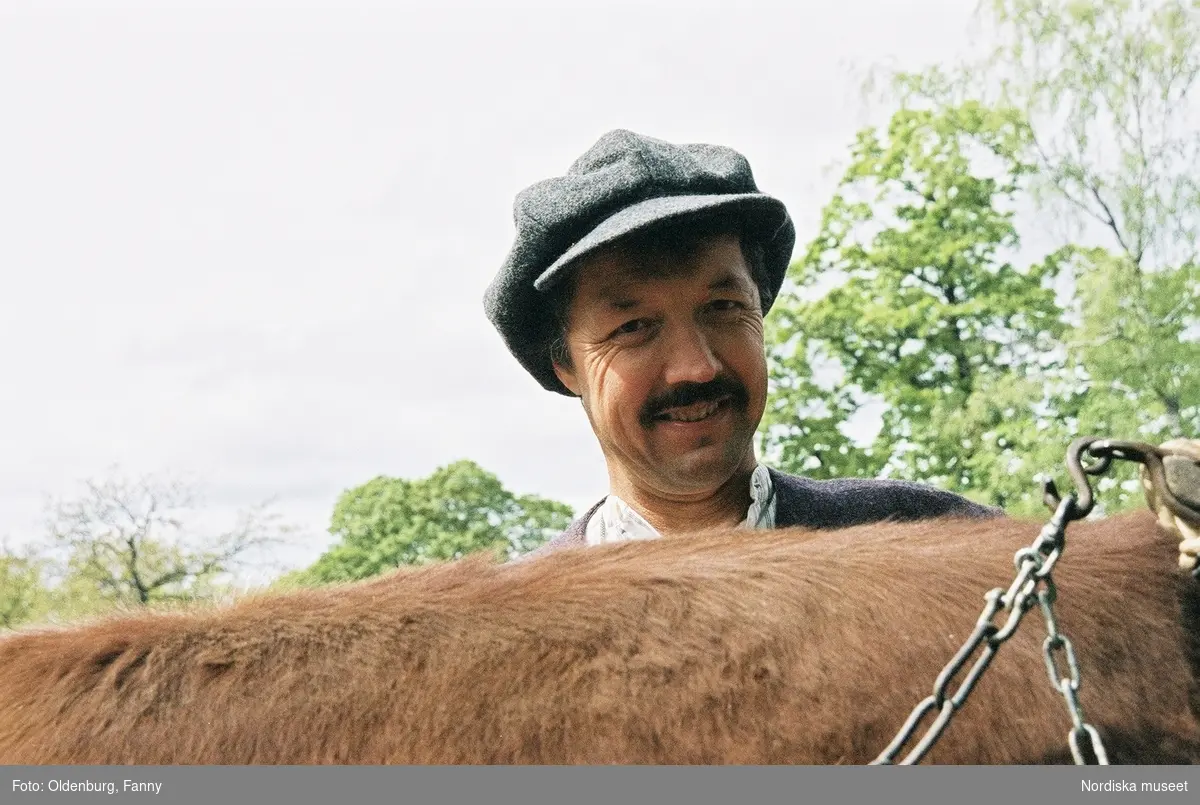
766,647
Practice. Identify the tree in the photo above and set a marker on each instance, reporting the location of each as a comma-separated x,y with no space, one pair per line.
23,593
130,543
905,300
457,510
1108,91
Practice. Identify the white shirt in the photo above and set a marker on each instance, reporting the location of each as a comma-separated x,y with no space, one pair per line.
616,521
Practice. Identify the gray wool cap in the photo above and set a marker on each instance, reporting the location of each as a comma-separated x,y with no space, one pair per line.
624,183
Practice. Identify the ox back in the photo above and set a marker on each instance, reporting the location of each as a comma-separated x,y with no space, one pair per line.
741,647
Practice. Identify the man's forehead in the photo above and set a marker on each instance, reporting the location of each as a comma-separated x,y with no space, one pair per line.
616,276
622,292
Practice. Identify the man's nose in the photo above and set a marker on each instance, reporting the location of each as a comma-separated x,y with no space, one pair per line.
690,357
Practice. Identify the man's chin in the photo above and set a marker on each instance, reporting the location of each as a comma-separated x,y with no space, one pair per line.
699,473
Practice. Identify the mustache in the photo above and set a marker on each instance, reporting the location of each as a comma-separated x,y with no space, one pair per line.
691,393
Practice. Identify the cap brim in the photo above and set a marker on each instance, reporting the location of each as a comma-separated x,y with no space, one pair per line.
762,211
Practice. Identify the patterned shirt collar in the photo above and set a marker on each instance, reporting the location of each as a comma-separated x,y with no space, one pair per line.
616,521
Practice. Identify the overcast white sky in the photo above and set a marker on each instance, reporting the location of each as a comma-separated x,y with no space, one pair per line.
251,245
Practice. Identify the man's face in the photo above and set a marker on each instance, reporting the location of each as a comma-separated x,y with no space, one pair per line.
668,359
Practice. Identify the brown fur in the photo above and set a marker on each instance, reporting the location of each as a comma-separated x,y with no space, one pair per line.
752,647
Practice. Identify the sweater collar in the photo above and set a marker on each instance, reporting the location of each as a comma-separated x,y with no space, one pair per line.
616,521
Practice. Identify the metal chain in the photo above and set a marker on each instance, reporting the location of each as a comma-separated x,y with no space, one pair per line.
1033,585
1068,686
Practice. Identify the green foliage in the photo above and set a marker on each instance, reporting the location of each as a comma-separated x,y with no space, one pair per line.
37,589
1108,90
1093,116
926,316
24,596
1134,341
459,509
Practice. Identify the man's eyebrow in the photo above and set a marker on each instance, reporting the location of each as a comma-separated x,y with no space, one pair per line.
618,298
728,282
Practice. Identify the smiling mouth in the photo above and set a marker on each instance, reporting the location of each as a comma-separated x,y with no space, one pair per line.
697,412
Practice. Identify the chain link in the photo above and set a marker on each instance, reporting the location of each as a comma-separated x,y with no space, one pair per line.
1055,643
1032,586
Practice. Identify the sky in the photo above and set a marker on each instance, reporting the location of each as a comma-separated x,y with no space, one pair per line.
249,246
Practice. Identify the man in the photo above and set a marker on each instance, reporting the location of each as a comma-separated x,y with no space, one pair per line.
638,283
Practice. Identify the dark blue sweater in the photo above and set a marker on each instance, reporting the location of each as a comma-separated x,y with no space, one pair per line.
837,503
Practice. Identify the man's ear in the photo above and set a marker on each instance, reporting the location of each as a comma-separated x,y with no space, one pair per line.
568,378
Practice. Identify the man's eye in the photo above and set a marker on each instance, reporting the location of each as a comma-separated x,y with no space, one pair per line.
723,305
631,327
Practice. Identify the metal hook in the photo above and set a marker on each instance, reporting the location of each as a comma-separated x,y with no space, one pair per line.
1084,500
1104,451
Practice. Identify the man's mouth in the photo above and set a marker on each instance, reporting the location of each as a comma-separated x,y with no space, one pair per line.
697,412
